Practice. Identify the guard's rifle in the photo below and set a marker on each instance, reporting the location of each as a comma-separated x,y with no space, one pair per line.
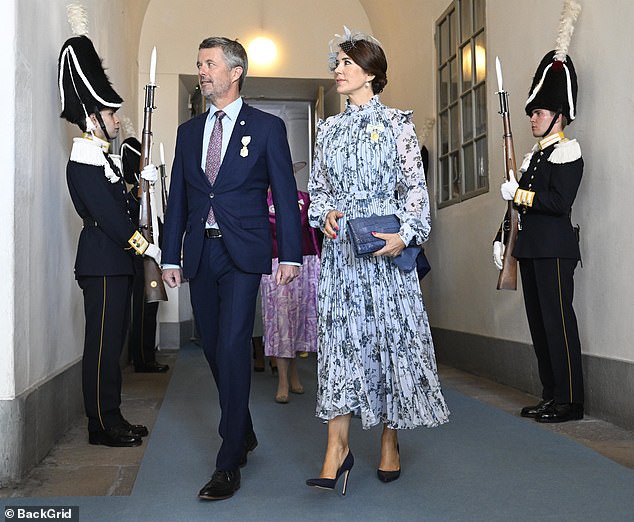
154,287
507,280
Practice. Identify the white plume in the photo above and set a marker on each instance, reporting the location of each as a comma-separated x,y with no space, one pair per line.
427,127
128,128
78,19
569,14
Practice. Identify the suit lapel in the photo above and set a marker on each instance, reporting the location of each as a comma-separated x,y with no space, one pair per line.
240,130
197,142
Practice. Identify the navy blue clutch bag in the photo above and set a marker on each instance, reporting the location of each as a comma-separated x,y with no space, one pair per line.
364,243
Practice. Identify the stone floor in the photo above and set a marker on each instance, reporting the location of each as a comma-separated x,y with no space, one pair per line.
69,469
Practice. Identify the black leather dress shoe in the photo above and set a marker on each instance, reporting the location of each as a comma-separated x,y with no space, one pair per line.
223,484
136,429
117,436
151,367
250,443
561,413
535,411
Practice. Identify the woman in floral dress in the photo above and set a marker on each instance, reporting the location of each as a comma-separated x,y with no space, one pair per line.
375,351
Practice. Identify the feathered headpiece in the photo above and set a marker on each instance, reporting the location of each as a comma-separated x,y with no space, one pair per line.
84,86
346,42
554,85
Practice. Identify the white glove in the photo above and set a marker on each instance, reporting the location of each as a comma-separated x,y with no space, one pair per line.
509,187
149,173
154,252
498,254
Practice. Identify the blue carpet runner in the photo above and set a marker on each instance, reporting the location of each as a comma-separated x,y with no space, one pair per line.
485,465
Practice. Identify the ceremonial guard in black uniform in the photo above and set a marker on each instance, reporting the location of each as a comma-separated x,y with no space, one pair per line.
109,240
142,337
547,244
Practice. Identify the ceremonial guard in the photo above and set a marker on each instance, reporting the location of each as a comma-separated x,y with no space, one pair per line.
109,240
547,246
142,337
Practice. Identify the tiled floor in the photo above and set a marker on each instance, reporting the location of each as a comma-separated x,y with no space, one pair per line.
71,467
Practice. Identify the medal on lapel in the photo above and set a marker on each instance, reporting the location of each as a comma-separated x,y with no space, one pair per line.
244,152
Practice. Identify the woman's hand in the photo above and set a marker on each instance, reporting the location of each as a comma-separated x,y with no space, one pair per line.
332,227
393,244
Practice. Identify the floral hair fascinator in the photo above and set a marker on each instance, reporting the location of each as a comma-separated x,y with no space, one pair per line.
346,42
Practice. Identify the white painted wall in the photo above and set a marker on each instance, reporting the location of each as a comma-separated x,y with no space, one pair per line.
7,232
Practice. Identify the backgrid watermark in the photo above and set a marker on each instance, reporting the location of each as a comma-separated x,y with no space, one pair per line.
66,513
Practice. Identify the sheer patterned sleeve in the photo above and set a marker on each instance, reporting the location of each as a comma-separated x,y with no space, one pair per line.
413,199
319,187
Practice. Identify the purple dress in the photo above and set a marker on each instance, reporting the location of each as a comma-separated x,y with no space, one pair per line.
290,311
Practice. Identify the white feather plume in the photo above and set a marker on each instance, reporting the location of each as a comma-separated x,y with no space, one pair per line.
427,127
78,19
128,128
569,14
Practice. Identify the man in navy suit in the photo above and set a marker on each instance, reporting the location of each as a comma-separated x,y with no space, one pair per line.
227,241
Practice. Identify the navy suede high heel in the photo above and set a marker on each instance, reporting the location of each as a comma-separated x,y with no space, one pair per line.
389,476
326,483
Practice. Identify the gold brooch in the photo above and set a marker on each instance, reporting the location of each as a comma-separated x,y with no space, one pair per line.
374,131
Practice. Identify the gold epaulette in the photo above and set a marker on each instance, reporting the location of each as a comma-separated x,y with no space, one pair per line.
138,242
524,197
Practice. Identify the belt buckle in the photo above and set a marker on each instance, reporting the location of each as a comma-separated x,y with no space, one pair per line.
213,233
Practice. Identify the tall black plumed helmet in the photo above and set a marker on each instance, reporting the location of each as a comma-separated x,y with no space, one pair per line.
131,159
554,87
84,87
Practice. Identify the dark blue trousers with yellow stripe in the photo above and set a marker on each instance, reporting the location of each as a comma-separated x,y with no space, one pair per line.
107,312
548,286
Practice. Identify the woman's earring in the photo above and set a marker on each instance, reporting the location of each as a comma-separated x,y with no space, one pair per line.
367,84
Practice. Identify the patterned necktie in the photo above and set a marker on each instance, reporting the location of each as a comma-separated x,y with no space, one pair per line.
212,163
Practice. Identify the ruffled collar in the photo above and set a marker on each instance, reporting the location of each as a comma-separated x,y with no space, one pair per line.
373,103
90,151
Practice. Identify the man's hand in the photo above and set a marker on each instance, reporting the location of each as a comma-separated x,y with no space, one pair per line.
332,227
498,254
173,277
154,252
286,273
509,187
393,244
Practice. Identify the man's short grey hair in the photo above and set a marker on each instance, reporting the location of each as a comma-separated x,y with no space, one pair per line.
234,53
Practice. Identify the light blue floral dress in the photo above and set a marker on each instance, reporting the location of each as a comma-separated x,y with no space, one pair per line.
375,350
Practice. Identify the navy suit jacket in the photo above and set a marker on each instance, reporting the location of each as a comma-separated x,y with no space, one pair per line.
238,195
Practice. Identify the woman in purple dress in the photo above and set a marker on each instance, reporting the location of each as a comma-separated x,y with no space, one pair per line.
290,311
